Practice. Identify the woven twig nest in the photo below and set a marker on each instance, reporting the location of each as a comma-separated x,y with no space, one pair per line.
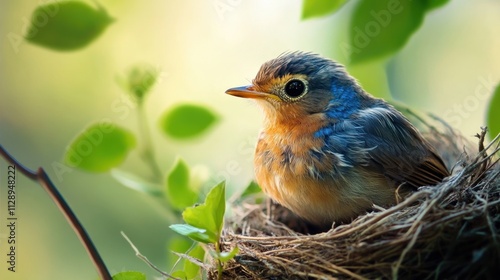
448,231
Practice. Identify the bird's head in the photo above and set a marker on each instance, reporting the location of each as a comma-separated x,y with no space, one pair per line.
295,85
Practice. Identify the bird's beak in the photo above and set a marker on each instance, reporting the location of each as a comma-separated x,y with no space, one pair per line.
250,92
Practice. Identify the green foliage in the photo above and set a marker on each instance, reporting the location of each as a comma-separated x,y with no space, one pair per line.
317,8
195,233
225,256
129,275
433,4
380,28
204,224
181,244
180,274
493,117
187,121
191,269
67,25
179,193
210,214
204,221
139,81
104,146
252,188
71,25
377,28
100,147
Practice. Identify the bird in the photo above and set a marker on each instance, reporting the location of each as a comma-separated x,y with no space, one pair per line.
329,151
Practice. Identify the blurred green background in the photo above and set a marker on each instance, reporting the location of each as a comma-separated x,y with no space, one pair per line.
449,67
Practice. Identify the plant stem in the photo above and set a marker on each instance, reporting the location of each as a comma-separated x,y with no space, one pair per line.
219,263
147,153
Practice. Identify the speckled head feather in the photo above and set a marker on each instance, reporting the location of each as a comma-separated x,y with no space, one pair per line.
319,70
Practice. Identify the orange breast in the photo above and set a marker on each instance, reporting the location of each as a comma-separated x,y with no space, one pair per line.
287,170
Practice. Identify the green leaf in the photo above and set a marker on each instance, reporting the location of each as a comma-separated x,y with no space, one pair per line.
129,275
136,183
252,188
209,215
100,147
493,118
179,193
140,79
433,4
227,256
197,234
191,269
318,8
66,25
381,28
187,121
179,274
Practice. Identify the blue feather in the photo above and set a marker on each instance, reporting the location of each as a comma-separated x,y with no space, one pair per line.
345,101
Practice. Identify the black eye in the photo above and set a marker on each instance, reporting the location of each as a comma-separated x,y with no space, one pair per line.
295,88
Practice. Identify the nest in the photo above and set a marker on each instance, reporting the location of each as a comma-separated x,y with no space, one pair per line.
448,231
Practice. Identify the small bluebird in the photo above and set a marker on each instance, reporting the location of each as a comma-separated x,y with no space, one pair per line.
329,150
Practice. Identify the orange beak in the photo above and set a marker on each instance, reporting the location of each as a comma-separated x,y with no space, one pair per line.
249,92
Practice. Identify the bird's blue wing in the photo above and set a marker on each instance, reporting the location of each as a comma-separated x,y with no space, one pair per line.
380,139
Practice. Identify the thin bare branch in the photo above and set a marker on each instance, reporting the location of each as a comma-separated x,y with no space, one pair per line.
43,179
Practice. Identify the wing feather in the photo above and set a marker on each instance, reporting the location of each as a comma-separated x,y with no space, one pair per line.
382,140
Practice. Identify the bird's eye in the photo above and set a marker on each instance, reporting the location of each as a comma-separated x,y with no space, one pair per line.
295,88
